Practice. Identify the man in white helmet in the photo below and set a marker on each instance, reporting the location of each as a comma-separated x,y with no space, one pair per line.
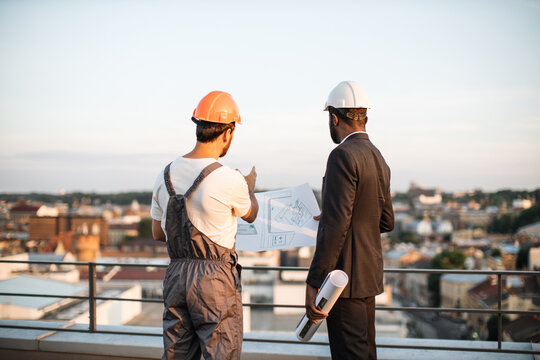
356,208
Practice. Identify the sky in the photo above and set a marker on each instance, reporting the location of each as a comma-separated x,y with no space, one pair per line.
98,95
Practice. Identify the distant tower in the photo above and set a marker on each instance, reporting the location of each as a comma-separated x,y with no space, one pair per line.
87,247
135,207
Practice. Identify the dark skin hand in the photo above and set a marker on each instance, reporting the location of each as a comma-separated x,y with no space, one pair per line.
313,312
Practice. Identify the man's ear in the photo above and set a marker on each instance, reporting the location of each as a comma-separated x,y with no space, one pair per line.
335,120
227,134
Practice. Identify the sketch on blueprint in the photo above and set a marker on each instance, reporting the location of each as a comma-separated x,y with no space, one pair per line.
285,220
295,213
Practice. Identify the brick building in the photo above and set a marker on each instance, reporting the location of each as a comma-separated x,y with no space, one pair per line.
48,227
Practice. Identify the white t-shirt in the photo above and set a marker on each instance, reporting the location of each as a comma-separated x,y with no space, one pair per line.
213,207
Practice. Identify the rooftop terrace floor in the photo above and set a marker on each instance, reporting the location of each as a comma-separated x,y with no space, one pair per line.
43,344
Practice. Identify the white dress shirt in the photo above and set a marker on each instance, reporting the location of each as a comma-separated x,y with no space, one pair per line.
356,132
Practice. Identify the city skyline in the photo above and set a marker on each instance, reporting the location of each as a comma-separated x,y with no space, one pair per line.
97,96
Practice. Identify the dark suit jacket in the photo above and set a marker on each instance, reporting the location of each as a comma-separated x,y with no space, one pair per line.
356,208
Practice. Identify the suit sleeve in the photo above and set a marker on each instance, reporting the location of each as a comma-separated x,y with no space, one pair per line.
341,180
387,217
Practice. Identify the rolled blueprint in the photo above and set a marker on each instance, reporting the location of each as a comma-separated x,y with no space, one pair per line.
327,296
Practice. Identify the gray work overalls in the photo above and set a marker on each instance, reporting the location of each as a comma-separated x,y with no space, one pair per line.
201,289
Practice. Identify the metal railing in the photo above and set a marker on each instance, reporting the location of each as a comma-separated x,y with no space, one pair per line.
92,299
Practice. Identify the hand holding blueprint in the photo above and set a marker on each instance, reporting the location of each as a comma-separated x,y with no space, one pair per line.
285,220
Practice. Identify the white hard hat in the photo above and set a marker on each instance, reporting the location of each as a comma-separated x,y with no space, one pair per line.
348,94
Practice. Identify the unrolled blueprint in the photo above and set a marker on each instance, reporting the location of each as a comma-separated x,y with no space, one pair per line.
285,220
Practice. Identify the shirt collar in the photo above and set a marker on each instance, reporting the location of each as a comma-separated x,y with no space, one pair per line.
356,132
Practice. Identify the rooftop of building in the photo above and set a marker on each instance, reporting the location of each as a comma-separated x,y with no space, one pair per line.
486,292
46,256
532,228
395,254
123,226
524,329
423,263
510,248
24,208
464,279
36,285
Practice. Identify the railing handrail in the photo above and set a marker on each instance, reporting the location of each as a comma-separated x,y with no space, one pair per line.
92,299
267,305
287,268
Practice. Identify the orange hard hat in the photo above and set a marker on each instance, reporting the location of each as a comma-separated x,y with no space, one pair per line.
217,107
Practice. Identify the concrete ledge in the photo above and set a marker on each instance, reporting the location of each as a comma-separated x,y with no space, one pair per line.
46,355
132,346
25,339
253,350
263,351
30,344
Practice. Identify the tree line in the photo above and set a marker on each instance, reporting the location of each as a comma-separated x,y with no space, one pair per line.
124,198
509,223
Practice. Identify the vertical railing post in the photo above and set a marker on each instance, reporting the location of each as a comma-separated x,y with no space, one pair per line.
499,314
92,296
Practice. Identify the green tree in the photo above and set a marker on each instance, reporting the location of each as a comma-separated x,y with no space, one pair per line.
145,228
447,259
407,237
522,258
526,217
502,225
508,223
496,252
143,197
492,325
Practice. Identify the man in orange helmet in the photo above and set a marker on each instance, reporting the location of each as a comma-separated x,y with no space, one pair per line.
195,203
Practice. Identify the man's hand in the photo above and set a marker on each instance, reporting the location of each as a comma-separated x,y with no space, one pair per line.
250,179
254,209
312,312
157,231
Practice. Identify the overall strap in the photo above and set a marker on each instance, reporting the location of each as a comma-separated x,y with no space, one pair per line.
168,183
204,173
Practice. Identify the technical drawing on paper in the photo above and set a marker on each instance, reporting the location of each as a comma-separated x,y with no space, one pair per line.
279,240
295,213
285,220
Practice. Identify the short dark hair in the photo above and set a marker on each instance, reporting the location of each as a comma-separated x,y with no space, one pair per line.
209,131
350,115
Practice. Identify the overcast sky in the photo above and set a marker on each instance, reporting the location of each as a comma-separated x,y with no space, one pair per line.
98,95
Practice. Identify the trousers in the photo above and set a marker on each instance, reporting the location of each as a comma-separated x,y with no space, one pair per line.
351,329
203,311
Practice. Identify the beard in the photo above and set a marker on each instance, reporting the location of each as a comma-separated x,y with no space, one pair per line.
334,135
225,149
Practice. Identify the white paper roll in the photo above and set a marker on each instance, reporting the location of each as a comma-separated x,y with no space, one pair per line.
327,296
